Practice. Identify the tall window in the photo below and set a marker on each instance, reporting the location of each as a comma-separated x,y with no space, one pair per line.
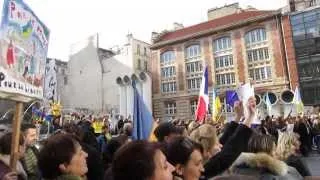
255,36
261,73
167,57
225,79
145,51
139,64
258,55
223,61
193,66
193,51
170,108
221,44
169,87
138,49
193,106
194,83
145,66
168,72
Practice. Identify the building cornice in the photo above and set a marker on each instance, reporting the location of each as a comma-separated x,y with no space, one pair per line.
213,30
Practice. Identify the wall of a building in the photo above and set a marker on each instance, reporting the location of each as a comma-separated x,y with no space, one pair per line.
84,88
183,96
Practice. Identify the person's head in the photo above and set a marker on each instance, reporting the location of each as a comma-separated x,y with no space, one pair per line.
127,129
206,136
30,133
166,131
192,126
5,144
105,129
288,144
260,143
186,156
141,160
115,143
62,154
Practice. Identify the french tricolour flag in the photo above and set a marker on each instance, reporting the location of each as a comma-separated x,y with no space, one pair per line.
203,102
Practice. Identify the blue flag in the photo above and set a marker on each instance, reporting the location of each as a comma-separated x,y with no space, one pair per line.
142,117
231,97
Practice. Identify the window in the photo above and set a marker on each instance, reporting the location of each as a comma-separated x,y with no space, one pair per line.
145,51
260,54
168,87
225,79
194,83
139,64
168,72
261,73
167,57
194,67
170,108
138,49
255,36
193,106
193,51
145,66
223,43
65,80
224,61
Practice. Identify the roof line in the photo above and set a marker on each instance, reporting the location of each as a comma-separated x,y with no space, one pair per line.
212,30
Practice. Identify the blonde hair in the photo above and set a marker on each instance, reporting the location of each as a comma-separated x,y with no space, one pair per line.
205,135
286,142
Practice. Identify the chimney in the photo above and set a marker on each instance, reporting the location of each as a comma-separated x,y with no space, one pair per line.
177,26
226,10
154,36
129,38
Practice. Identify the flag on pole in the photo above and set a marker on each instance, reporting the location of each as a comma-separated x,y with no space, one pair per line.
298,101
203,102
268,103
142,117
231,97
216,106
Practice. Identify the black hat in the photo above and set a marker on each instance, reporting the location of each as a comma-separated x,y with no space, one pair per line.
165,129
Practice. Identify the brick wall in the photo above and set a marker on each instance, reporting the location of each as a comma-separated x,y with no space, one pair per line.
155,74
239,56
291,57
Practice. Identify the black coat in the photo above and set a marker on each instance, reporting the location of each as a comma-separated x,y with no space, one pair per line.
94,163
234,142
299,164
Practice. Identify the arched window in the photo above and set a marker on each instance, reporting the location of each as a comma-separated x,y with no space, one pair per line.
256,36
223,43
193,51
167,57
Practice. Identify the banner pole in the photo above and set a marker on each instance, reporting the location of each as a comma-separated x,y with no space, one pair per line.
15,136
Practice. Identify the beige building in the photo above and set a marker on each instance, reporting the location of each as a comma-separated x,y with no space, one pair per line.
237,45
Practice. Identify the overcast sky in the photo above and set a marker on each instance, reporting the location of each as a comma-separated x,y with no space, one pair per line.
72,20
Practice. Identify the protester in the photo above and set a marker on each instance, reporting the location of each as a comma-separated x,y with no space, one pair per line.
260,162
186,156
113,145
104,138
94,160
30,158
141,160
304,131
287,148
166,131
221,161
62,158
5,150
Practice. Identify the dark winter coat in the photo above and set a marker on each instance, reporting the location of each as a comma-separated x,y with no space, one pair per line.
263,166
235,140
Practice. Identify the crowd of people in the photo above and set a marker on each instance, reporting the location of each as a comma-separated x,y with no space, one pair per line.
176,150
